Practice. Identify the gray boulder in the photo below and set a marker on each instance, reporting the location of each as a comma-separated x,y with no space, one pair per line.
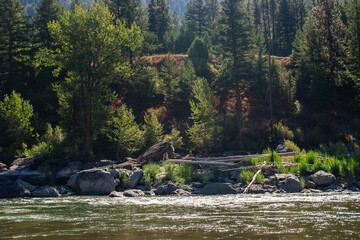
281,148
25,163
133,193
182,192
33,177
168,188
93,182
322,179
213,188
135,178
3,167
26,185
116,194
10,189
46,191
288,182
71,169
9,176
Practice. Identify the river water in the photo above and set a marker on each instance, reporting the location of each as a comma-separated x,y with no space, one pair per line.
262,216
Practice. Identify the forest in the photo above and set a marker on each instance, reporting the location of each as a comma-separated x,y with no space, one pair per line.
115,77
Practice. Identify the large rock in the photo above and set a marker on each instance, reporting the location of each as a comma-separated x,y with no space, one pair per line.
26,185
34,177
281,148
3,167
289,182
135,178
10,189
71,169
9,176
322,179
157,152
93,182
133,193
46,191
116,194
168,188
217,188
25,163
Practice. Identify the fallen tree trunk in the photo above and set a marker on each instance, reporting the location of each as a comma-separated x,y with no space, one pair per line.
243,157
254,178
180,161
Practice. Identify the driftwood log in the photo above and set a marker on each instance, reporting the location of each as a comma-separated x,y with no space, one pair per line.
254,178
181,161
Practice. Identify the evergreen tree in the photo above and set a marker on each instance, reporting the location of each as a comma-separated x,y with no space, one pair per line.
153,129
196,17
159,19
170,76
199,55
14,46
235,40
48,11
286,28
205,132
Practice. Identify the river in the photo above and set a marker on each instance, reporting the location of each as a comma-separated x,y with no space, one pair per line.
263,216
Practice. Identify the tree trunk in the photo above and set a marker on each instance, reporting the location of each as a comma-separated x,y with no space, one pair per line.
87,127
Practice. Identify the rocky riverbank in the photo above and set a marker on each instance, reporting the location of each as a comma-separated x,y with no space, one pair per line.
33,177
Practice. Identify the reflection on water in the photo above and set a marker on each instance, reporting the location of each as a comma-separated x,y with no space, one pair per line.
265,216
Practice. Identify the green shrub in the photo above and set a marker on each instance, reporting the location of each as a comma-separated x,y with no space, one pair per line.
294,169
283,132
311,157
336,167
151,172
247,175
304,167
338,148
175,138
290,144
302,182
51,145
123,177
170,170
299,158
185,173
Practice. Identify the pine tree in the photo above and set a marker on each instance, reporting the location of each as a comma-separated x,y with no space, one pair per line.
286,28
196,17
14,45
49,10
234,40
353,35
170,76
159,19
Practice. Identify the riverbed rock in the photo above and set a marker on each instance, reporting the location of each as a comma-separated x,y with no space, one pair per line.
3,167
9,175
322,178
71,169
133,193
157,152
281,148
309,184
46,191
29,163
167,188
135,178
257,188
288,182
10,189
92,182
214,188
33,177
182,192
116,194
26,185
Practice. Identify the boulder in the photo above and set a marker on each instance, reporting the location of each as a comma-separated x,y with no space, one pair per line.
9,175
288,182
182,192
33,177
281,148
168,188
93,182
46,191
135,178
133,193
213,188
116,194
257,188
322,179
26,185
71,169
10,189
3,167
157,152
104,163
25,163
309,184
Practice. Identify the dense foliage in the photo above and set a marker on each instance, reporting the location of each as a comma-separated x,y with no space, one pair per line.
117,76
